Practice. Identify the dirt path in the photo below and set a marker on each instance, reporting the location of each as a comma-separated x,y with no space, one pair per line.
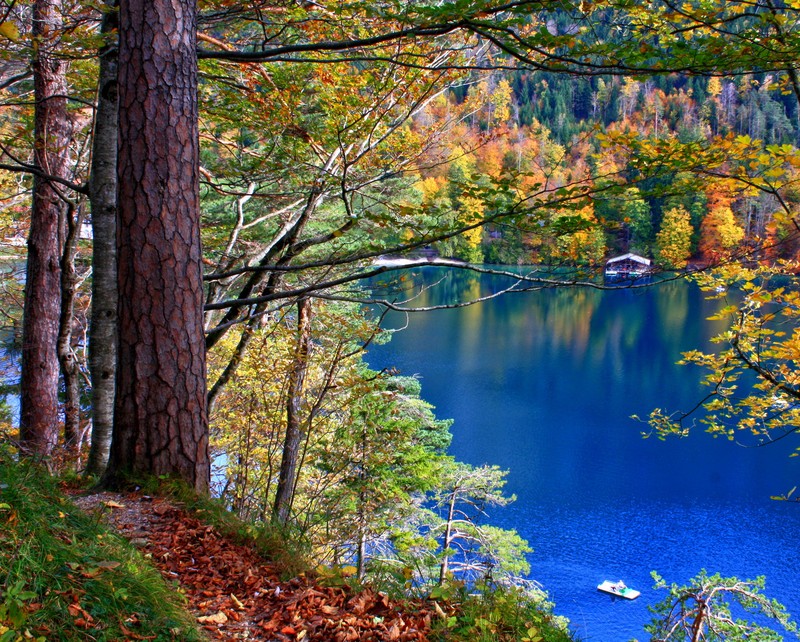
236,594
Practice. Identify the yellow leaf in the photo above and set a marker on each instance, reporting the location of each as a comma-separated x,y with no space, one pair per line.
9,30
217,618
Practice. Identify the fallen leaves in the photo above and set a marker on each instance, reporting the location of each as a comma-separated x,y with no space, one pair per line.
236,594
133,635
80,616
217,618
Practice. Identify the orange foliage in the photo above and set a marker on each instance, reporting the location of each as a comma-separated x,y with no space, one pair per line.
719,231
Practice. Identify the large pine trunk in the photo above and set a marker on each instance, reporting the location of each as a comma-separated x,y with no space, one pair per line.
41,314
160,419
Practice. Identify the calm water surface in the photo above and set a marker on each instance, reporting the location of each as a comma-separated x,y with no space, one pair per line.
544,384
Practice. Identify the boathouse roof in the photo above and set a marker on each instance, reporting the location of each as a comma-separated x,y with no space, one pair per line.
629,257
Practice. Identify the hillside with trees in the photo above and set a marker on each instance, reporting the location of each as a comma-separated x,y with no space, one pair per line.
540,128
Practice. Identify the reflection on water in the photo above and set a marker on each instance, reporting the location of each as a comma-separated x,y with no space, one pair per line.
544,384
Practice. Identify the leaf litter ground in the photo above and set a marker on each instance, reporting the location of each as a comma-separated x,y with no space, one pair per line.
237,595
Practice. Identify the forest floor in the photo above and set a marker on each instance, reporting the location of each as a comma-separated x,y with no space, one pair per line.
236,594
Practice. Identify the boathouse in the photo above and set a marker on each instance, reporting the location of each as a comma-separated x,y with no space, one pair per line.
628,266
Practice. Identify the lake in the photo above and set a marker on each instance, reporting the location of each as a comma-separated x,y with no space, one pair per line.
544,384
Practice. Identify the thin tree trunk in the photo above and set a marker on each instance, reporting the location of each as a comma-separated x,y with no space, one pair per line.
103,199
287,476
233,364
41,314
70,367
448,538
160,418
255,321
361,550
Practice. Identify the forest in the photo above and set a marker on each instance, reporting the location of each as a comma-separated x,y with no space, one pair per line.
194,200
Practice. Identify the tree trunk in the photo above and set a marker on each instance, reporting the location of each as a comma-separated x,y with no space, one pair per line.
361,548
160,416
41,313
70,367
233,364
444,568
287,477
361,551
256,320
103,199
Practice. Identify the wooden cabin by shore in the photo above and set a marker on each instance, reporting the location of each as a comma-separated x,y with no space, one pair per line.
628,266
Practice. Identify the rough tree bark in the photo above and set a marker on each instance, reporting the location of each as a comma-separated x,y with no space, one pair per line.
160,417
103,199
41,313
287,477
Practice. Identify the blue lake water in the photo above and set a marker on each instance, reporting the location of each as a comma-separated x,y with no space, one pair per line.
544,384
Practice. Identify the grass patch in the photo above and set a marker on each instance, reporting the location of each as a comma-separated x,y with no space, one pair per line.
65,576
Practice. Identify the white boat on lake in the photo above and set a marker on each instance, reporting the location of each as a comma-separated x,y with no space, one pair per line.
618,589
